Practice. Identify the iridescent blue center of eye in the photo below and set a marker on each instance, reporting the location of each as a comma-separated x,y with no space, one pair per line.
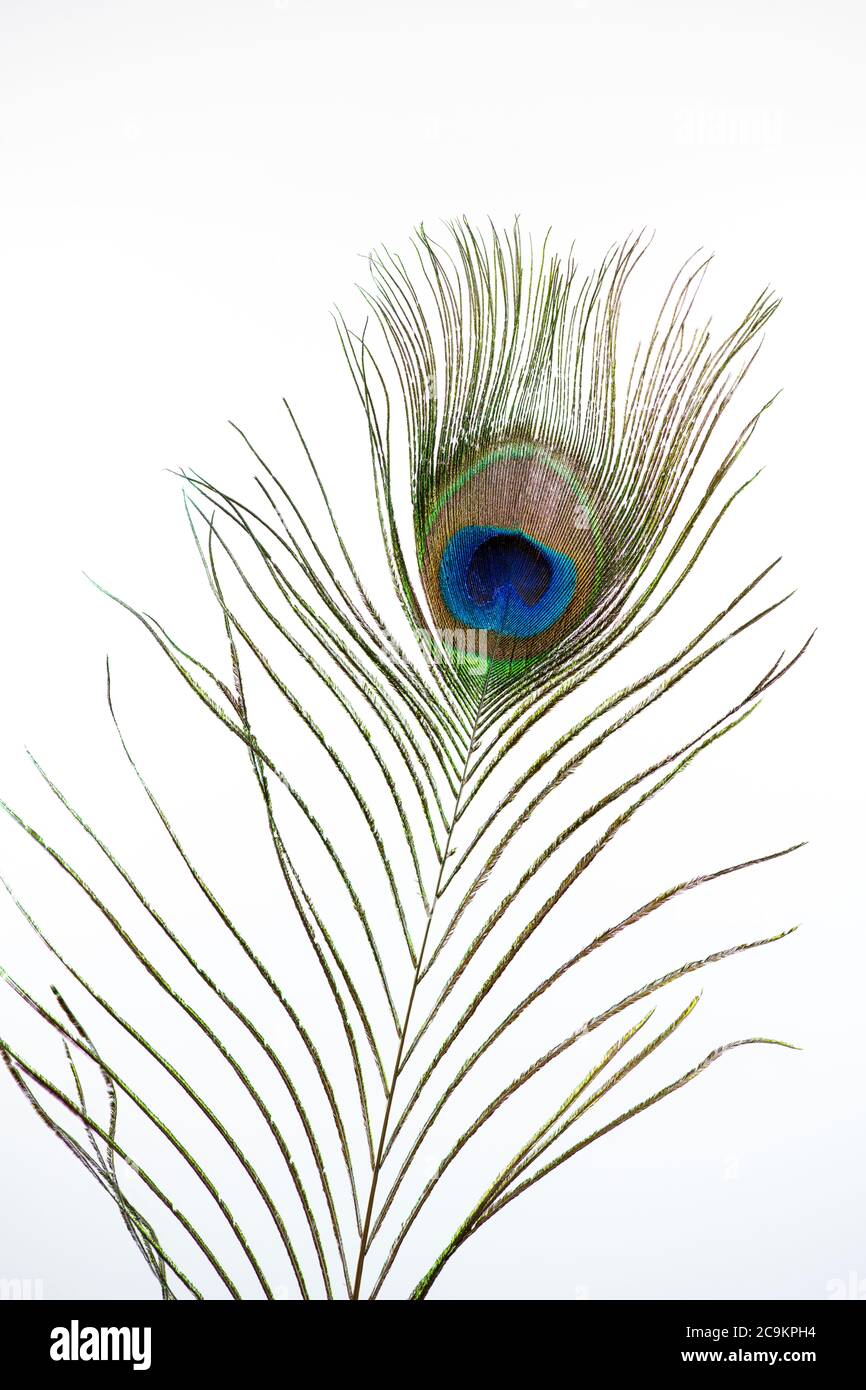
504,581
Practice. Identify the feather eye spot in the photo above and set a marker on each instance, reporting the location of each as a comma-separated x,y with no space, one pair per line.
504,581
512,548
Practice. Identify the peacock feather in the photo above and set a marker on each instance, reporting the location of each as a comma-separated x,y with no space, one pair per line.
539,506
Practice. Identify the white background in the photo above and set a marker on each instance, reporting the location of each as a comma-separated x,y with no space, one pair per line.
187,189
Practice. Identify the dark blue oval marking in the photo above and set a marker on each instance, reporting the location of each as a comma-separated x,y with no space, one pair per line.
504,581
